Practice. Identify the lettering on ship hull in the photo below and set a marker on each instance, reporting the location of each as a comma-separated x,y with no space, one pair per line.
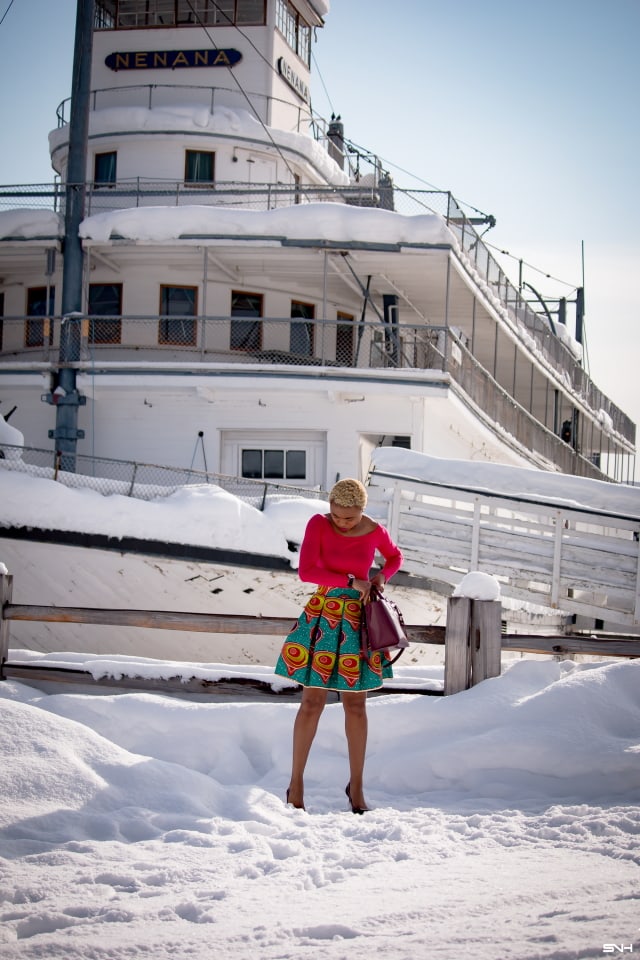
171,59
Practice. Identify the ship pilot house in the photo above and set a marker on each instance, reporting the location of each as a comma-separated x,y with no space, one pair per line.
251,278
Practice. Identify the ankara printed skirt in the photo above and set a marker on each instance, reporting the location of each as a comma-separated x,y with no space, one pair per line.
323,648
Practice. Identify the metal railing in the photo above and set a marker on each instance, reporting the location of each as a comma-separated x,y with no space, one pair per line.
156,96
282,340
109,343
140,192
579,559
143,481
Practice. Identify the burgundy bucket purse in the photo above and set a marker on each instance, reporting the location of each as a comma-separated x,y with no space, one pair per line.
382,627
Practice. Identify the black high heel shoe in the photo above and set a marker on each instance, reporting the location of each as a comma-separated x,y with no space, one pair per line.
354,809
294,805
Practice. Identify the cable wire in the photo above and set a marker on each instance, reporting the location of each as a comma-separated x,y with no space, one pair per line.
237,82
6,12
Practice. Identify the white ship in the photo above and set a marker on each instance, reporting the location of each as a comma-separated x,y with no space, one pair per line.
217,281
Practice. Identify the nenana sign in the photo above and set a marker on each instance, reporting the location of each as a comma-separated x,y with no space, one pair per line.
171,59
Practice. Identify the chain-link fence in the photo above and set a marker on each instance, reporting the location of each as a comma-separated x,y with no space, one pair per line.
142,192
144,481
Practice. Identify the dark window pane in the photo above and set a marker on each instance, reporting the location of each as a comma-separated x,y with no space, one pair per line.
246,334
246,304
38,306
104,170
198,166
105,300
250,11
274,464
252,464
301,334
296,465
178,302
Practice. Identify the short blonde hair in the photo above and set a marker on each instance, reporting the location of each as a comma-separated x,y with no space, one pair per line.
349,493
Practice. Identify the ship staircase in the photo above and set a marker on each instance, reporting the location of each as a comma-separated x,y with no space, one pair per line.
547,553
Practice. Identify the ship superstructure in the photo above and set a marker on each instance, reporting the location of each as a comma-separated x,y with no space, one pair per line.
249,284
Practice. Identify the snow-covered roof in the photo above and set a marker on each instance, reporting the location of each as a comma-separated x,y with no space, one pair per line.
222,121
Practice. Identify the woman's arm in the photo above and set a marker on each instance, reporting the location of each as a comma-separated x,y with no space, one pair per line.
312,567
392,556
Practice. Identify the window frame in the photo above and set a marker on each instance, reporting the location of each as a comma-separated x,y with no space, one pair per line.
102,182
294,29
108,330
302,325
196,155
184,322
270,474
137,14
245,333
38,326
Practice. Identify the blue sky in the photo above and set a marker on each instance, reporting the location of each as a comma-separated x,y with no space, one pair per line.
528,111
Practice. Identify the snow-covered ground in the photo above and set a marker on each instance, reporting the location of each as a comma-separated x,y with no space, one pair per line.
504,821
505,825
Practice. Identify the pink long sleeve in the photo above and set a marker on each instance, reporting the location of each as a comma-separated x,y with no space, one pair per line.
327,558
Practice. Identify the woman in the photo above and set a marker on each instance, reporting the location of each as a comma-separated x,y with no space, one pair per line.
322,652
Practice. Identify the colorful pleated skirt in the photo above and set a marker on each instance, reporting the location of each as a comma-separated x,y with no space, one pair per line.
323,648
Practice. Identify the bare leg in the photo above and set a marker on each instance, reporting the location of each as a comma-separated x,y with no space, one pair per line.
355,725
304,730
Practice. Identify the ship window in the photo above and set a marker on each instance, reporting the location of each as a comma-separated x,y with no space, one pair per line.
178,306
40,304
294,29
199,166
250,11
105,300
123,14
257,464
301,331
105,15
104,169
246,329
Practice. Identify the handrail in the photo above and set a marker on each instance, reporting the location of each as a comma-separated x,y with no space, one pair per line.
578,559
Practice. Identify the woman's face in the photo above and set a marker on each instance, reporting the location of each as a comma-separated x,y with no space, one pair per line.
344,518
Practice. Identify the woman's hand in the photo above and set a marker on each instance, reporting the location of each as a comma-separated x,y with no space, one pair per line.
379,582
363,587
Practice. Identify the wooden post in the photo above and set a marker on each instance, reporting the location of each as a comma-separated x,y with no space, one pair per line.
472,651
6,589
457,659
486,646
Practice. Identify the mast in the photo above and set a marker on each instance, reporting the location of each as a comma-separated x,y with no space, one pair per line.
65,396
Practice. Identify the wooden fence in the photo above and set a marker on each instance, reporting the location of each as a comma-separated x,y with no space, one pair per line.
472,638
575,559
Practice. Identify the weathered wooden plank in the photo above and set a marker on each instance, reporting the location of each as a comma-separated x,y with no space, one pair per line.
176,620
457,657
486,617
160,619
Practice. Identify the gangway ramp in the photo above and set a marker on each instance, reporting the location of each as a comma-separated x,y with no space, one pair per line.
555,541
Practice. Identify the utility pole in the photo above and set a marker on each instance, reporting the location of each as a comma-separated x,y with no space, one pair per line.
65,396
